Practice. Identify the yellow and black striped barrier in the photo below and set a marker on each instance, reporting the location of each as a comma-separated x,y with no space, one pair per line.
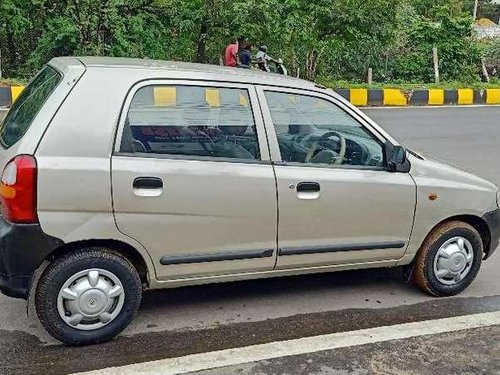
357,96
8,94
427,97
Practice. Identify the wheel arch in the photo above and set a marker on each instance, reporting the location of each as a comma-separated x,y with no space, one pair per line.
478,223
119,247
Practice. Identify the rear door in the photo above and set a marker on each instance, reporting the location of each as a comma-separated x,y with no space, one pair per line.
192,179
338,204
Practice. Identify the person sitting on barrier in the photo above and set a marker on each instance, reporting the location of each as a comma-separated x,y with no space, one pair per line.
263,58
231,54
246,56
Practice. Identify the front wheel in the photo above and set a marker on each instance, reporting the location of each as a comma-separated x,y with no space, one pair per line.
88,296
449,259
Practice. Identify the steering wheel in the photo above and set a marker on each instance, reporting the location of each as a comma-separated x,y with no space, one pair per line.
316,147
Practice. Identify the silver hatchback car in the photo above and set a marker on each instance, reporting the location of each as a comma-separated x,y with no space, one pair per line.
123,175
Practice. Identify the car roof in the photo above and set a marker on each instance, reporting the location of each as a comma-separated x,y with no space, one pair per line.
177,69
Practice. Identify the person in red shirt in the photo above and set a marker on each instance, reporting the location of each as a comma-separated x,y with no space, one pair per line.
231,55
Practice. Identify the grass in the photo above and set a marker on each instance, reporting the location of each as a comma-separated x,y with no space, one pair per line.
12,82
494,84
340,84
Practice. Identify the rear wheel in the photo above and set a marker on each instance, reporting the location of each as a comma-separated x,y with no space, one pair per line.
449,259
88,296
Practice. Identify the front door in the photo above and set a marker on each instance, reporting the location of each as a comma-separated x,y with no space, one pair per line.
192,181
338,204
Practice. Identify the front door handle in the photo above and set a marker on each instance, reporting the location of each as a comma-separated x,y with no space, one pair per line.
148,183
148,186
308,190
308,187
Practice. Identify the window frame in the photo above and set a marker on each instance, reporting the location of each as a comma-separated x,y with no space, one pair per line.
275,151
255,110
5,121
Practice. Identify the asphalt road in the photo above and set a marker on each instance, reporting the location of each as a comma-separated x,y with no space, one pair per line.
205,318
464,136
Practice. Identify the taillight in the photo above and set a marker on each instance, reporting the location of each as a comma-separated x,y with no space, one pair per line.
18,190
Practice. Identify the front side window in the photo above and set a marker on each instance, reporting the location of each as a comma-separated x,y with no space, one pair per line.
191,121
27,106
314,130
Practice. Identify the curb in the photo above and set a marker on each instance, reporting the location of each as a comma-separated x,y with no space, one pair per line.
368,97
419,97
8,94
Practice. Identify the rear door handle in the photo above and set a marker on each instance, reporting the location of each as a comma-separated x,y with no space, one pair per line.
308,187
148,186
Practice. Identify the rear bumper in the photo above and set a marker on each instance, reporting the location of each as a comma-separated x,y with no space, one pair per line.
23,247
492,219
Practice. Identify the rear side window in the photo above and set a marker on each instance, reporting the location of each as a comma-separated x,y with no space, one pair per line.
191,121
27,106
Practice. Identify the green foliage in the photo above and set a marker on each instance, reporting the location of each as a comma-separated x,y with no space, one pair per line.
493,52
321,39
448,30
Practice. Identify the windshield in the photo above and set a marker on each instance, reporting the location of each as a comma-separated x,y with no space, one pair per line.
27,106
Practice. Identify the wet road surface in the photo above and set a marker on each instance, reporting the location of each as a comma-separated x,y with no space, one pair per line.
189,320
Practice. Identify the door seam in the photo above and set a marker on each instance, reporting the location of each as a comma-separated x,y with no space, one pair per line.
257,94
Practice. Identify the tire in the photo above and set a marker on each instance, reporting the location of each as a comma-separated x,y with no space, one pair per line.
425,274
117,292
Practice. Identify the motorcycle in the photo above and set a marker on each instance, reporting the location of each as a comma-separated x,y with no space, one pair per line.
273,66
278,67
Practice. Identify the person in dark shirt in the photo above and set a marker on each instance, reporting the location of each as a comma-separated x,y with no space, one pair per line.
246,56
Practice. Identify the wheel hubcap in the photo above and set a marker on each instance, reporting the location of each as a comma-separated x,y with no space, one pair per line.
453,260
90,299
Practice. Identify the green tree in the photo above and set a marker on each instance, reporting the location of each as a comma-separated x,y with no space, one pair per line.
440,26
336,39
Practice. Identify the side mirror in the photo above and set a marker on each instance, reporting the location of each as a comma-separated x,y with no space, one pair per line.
396,159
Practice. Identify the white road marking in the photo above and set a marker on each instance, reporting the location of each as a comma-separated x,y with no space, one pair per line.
253,353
